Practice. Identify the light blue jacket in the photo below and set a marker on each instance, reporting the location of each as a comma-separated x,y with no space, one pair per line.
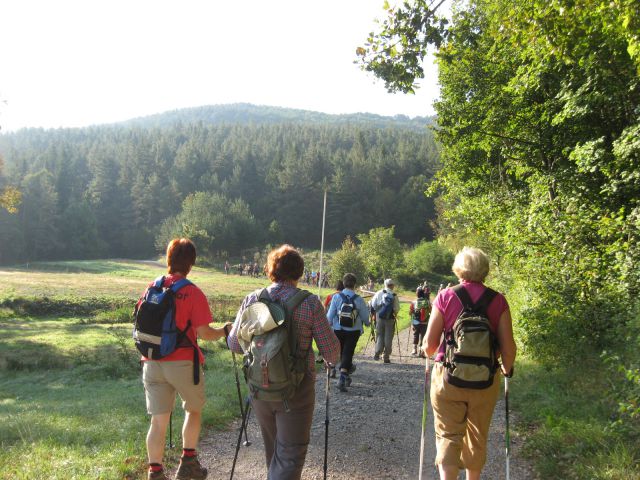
334,309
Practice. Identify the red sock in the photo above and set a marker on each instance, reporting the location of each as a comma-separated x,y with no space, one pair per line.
155,467
188,452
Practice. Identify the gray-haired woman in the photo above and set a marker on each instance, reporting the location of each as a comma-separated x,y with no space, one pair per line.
462,415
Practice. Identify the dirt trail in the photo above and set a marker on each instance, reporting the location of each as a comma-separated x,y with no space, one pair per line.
374,430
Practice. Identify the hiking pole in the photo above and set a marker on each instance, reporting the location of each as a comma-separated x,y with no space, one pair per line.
372,324
326,424
425,410
235,369
170,432
398,337
507,438
243,426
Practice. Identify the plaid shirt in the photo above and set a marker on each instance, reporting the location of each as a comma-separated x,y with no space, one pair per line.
311,323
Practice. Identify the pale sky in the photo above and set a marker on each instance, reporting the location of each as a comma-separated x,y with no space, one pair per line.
70,63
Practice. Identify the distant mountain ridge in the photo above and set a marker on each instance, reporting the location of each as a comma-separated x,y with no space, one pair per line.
243,113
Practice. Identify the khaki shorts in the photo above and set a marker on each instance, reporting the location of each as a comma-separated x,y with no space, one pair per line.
163,379
462,417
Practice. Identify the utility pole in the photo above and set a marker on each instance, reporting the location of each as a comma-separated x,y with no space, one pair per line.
324,215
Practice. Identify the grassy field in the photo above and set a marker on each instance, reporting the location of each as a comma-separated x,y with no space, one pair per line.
71,400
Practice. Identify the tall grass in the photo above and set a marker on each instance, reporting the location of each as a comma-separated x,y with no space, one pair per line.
71,398
566,414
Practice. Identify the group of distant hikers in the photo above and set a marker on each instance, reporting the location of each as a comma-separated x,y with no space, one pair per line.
468,328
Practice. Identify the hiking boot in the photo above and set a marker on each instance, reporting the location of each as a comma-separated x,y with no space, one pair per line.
342,383
333,373
386,360
190,469
347,381
376,357
157,475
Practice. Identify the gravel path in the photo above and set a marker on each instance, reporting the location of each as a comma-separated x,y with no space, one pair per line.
374,430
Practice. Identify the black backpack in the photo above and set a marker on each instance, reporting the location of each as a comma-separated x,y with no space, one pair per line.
154,324
471,347
348,313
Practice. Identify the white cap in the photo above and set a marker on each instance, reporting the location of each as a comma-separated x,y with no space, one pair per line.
389,283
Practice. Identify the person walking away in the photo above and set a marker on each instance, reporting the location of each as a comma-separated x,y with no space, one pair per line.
327,302
419,311
347,313
386,305
286,425
462,415
175,372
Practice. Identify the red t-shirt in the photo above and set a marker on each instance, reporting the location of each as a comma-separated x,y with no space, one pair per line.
449,305
327,301
191,304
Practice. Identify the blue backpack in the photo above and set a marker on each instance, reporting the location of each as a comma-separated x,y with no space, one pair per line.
386,310
154,323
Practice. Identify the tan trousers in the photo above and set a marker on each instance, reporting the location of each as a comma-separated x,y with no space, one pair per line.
461,420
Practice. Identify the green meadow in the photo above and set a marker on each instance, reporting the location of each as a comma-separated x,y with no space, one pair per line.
71,399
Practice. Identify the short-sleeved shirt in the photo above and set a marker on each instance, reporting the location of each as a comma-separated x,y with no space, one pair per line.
449,305
191,305
327,300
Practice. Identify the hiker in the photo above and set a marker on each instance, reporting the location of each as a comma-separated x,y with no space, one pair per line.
386,305
347,313
175,372
462,415
327,301
419,311
226,267
286,424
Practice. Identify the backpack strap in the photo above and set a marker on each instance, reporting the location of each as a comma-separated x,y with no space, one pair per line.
290,306
183,282
481,305
159,282
263,294
182,334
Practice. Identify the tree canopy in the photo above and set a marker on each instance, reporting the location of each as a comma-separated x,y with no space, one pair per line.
127,183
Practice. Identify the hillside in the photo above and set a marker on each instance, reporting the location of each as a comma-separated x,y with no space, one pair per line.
118,190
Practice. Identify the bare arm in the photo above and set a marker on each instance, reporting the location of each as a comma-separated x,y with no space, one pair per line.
434,332
507,343
208,333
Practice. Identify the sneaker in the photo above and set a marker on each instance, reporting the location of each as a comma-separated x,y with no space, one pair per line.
342,383
190,469
414,353
157,475
386,360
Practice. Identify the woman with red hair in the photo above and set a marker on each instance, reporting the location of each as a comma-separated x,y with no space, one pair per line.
174,373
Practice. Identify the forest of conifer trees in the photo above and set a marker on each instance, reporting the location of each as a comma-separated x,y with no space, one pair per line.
232,178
